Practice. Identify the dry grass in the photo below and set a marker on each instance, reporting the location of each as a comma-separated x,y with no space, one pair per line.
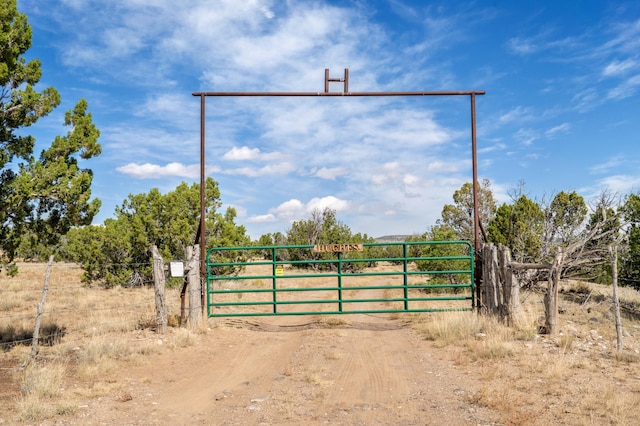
86,333
576,377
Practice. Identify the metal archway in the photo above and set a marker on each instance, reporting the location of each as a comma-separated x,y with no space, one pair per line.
345,93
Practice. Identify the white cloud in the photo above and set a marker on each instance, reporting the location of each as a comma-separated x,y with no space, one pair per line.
389,172
442,166
331,173
151,141
243,153
608,165
410,179
265,218
618,67
621,184
526,136
294,209
625,89
155,171
271,169
178,109
554,131
522,46
246,153
290,210
517,114
329,202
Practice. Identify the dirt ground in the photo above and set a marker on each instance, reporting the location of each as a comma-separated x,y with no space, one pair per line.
356,369
363,370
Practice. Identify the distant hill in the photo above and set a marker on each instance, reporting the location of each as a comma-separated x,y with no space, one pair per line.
392,238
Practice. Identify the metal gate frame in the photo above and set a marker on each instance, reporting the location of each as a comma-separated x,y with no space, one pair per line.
279,299
345,93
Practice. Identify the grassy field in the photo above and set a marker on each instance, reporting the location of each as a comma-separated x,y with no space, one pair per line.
86,332
90,332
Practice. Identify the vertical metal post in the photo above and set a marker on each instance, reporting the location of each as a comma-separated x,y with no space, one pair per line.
476,215
326,80
405,276
340,281
346,80
203,244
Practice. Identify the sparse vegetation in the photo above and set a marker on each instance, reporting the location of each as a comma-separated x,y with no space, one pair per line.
514,363
520,367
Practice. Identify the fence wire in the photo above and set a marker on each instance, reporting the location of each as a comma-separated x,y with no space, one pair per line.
73,311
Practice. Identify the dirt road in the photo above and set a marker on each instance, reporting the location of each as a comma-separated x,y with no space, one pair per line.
350,370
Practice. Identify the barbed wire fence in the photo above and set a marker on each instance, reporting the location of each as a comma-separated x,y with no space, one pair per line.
77,312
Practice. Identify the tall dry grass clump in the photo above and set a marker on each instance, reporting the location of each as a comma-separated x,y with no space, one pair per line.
445,328
42,386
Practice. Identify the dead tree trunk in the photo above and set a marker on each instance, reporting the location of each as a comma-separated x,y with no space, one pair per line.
551,297
40,311
613,250
195,287
159,282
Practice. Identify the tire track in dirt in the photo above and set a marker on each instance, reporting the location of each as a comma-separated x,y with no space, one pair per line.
368,371
252,365
356,369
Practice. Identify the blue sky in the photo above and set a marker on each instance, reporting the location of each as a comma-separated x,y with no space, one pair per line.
561,110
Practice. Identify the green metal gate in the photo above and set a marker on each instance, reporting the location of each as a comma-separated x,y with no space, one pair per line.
340,278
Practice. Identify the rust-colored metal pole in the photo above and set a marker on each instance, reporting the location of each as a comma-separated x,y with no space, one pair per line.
326,80
476,214
203,243
346,80
340,94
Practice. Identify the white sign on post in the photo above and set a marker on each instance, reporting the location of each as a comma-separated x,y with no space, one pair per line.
177,269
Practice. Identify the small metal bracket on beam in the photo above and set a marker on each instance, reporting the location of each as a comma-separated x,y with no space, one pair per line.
344,80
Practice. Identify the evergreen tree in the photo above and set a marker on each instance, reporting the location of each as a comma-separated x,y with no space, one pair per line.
40,197
119,251
324,228
519,226
630,259
459,216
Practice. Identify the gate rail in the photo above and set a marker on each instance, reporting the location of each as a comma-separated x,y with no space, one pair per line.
232,279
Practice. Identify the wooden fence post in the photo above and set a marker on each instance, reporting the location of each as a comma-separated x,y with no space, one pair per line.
159,285
501,295
510,286
551,297
193,277
613,251
40,311
491,296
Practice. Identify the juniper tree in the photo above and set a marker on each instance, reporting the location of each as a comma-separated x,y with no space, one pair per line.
45,195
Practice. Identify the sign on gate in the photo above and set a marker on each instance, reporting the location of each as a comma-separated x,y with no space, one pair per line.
337,248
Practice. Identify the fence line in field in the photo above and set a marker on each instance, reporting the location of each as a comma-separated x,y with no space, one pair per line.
73,311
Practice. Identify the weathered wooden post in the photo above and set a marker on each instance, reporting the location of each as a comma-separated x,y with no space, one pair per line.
613,251
40,311
195,287
491,295
551,297
510,286
501,295
159,281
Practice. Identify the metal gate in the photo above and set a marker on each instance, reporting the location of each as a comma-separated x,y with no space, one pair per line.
421,276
